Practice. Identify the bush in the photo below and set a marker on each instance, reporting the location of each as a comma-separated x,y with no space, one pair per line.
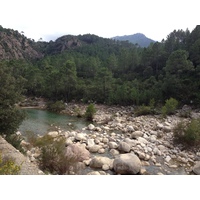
170,107
143,110
78,112
146,110
188,132
8,167
53,157
15,140
57,106
90,111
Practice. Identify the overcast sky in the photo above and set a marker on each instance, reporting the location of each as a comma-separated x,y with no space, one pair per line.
49,19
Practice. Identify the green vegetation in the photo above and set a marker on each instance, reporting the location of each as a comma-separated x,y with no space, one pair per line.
188,133
8,166
15,140
170,107
11,88
88,68
146,110
90,111
57,106
53,156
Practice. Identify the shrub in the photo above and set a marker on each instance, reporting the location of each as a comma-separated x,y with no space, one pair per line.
57,106
169,107
8,166
143,110
187,132
15,141
53,157
146,110
78,112
90,111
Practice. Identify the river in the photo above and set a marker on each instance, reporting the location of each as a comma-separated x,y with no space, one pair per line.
41,122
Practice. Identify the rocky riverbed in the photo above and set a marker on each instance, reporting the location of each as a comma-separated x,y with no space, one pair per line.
118,142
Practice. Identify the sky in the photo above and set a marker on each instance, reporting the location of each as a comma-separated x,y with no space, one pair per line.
50,19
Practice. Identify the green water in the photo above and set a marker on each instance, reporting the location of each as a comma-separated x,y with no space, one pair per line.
42,121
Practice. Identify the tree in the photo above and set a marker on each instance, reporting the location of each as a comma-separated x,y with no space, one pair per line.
10,94
178,63
90,111
70,79
195,52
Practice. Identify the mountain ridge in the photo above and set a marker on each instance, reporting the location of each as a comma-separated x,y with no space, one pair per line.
137,38
15,45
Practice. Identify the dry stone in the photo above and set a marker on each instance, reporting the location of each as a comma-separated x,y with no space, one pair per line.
124,147
127,164
136,134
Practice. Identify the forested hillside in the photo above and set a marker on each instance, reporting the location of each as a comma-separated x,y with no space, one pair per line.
90,68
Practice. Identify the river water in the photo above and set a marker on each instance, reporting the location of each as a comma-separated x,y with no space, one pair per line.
41,122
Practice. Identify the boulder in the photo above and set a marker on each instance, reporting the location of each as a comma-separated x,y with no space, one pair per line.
101,151
93,173
142,140
105,140
124,147
130,128
91,127
113,145
130,142
53,134
81,137
99,162
95,148
77,150
114,152
127,164
69,141
196,168
98,129
136,134
90,143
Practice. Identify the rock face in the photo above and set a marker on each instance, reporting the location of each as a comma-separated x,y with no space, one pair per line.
14,45
27,168
127,164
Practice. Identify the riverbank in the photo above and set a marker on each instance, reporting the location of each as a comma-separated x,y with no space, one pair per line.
118,142
118,132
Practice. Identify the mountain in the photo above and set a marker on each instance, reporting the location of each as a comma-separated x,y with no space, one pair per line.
137,38
14,45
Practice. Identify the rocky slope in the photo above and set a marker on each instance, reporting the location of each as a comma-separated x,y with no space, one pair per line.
27,168
14,45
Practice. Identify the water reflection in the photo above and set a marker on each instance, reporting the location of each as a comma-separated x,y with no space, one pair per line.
42,121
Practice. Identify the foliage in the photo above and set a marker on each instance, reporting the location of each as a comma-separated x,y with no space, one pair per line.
10,94
15,140
143,110
188,133
57,106
53,157
88,67
146,110
8,166
90,111
169,107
